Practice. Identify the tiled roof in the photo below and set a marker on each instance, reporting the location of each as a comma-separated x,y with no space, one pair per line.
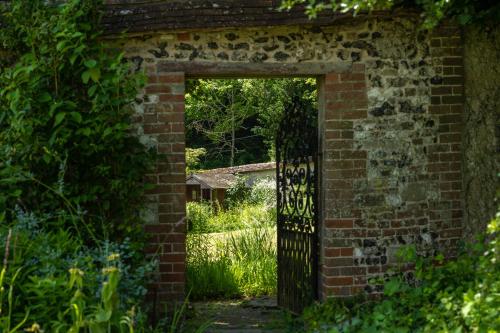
212,180
242,169
226,177
147,16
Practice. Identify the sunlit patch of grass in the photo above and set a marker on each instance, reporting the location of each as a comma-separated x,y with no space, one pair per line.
236,263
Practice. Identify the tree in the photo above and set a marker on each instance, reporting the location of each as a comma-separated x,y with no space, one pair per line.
193,156
271,98
216,108
433,11
241,116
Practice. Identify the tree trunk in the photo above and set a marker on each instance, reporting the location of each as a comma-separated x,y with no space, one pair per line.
233,138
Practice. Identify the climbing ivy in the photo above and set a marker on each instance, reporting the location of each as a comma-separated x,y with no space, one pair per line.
66,120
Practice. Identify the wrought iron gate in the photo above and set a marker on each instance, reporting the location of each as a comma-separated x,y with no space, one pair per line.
297,193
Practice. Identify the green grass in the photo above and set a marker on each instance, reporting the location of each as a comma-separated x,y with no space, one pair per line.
204,218
233,263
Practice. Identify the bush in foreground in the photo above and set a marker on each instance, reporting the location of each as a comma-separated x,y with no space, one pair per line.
66,121
461,295
53,281
71,174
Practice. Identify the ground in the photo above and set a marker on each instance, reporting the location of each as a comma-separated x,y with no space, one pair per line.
252,315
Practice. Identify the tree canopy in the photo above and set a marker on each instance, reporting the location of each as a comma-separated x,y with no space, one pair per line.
434,11
236,120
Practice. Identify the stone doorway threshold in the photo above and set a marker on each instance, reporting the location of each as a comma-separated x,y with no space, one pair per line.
251,315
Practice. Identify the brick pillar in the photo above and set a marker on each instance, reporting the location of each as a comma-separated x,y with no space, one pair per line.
444,155
163,124
343,101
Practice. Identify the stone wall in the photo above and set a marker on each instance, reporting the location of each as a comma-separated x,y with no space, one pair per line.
391,124
481,140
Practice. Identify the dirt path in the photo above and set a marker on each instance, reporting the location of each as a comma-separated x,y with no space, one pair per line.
257,315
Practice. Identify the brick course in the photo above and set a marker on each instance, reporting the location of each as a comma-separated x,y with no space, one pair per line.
163,125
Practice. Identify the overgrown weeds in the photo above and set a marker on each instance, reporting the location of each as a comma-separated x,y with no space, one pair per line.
52,280
232,252
232,264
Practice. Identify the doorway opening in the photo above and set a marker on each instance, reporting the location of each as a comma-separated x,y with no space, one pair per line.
251,146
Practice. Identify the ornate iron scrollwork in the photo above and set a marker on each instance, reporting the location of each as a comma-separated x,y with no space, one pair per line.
297,184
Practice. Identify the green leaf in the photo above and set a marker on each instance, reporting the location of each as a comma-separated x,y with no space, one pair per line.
91,63
73,57
59,118
107,132
392,287
60,45
85,77
76,117
85,131
92,90
45,97
95,74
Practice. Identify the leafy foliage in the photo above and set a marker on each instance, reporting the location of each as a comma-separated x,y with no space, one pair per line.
66,121
217,109
434,11
252,107
238,193
193,156
462,295
264,192
103,283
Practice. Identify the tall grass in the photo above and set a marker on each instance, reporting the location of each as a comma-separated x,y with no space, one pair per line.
205,218
208,269
238,262
253,254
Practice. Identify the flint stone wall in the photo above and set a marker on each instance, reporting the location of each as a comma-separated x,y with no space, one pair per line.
391,133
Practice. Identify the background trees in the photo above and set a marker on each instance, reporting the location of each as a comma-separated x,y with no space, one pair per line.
237,120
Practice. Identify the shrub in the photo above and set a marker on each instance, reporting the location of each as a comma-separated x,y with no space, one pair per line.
263,191
66,120
461,295
238,193
41,260
198,215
